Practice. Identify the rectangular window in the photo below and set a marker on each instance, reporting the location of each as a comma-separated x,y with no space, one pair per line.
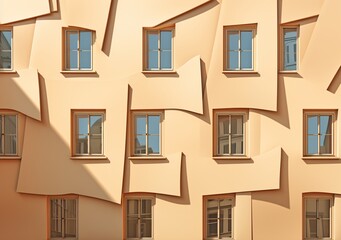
159,49
290,49
319,133
139,218
239,47
63,218
88,133
218,217
317,217
230,133
5,49
147,133
78,50
8,129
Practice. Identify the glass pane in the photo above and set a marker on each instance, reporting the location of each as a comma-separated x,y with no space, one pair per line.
140,144
312,144
10,124
5,60
325,229
246,40
246,60
82,144
223,125
72,38
233,60
1,150
96,124
70,212
132,207
154,124
70,208
166,40
212,228
85,40
140,125
146,228
70,227
166,60
212,209
237,124
96,144
223,145
312,124
72,60
311,218
153,41
153,144
290,41
5,40
146,206
10,144
325,144
85,60
82,124
153,59
225,227
132,227
56,218
326,124
233,40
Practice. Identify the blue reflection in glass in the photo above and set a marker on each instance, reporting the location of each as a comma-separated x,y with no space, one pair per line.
140,127
83,123
96,124
153,50
85,40
154,124
312,144
233,60
166,59
153,142
166,40
325,124
246,60
290,49
246,40
85,60
312,125
233,39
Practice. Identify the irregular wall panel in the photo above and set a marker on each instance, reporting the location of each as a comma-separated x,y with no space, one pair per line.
321,62
182,92
292,10
17,10
20,92
262,174
156,177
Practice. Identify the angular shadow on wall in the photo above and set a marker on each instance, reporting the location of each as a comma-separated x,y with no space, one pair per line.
281,196
282,114
335,83
184,199
109,30
44,108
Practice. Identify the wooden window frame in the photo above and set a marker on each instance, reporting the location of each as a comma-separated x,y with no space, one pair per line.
2,116
282,50
146,32
333,114
49,215
217,197
66,56
74,114
317,196
239,29
139,197
11,51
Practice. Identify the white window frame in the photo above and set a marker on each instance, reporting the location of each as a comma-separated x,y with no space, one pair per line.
333,132
62,218
139,198
2,115
11,51
66,49
283,51
146,114
75,114
217,198
318,197
158,31
216,133
227,30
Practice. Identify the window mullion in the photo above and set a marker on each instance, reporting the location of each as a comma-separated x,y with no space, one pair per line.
3,134
318,134
147,135
159,50
239,50
218,220
79,51
89,135
230,134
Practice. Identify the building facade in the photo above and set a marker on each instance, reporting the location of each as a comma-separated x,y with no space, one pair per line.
197,119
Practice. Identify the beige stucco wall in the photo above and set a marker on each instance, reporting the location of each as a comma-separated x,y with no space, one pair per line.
267,186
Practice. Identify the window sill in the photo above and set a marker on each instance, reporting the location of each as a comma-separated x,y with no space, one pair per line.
147,158
8,72
231,158
10,158
78,72
240,72
159,72
288,72
87,157
320,158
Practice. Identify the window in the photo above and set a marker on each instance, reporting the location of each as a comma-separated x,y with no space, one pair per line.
317,217
8,128
88,133
218,214
139,218
159,50
239,48
147,133
290,49
78,50
319,133
230,134
5,49
63,218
